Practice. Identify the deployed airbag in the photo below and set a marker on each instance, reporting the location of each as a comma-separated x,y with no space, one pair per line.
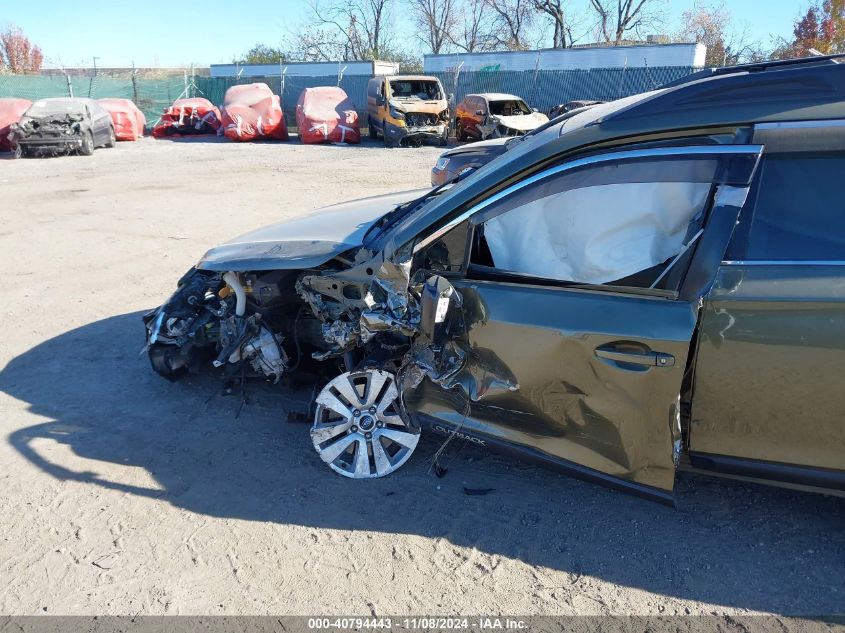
596,234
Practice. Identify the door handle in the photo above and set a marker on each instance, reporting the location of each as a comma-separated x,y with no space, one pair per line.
650,359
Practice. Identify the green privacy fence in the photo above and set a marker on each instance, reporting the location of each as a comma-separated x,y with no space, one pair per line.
151,95
543,89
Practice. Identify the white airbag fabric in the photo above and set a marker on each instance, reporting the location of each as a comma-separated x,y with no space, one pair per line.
596,234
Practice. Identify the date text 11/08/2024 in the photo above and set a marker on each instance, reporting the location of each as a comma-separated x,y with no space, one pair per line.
421,623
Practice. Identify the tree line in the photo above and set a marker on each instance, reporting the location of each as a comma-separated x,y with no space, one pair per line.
344,30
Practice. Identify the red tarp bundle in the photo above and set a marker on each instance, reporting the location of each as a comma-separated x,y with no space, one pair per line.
188,116
128,120
252,111
327,114
11,111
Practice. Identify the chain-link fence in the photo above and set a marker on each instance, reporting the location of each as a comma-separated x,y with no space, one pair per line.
542,89
150,94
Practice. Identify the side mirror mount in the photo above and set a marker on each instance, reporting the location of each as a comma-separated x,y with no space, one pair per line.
438,297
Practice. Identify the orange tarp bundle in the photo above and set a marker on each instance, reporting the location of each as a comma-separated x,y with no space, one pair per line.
252,111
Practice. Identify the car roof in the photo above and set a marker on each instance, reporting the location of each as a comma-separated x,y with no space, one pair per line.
412,77
742,96
496,96
65,100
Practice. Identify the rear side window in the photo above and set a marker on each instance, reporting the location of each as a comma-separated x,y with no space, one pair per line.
798,212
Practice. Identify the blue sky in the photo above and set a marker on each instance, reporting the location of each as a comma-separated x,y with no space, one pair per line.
159,33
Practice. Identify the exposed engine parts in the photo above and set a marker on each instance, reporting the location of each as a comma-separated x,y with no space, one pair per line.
381,330
206,320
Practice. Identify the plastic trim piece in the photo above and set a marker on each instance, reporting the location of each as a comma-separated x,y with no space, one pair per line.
771,471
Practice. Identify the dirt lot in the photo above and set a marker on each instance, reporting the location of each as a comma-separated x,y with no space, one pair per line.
121,493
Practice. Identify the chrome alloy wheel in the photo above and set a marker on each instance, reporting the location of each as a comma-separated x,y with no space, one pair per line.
357,428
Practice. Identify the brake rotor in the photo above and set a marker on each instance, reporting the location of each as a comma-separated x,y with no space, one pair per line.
357,429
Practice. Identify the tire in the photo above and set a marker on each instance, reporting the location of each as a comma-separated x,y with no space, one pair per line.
460,133
444,140
87,144
112,138
371,128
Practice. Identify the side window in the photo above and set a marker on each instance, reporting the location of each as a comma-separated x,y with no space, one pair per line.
447,253
623,223
797,213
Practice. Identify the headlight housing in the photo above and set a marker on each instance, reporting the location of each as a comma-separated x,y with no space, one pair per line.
395,112
441,163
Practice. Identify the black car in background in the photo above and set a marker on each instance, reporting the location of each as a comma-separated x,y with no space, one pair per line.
63,125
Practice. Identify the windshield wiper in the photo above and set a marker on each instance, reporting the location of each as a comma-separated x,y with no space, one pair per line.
406,208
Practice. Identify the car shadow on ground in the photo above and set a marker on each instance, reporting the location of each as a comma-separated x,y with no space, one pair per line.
728,543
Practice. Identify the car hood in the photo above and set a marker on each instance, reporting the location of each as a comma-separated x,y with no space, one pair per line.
414,106
490,145
304,242
522,122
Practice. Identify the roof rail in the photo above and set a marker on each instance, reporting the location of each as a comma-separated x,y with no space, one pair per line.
754,67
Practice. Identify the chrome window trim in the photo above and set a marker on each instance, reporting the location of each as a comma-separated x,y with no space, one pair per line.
781,262
786,125
656,152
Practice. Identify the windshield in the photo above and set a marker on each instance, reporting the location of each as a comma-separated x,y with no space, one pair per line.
54,107
511,107
415,89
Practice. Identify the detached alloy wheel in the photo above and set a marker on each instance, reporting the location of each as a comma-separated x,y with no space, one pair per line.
357,429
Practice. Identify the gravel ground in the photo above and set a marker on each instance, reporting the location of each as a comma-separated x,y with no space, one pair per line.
121,493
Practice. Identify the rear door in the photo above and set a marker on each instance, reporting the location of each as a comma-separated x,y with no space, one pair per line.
768,397
580,300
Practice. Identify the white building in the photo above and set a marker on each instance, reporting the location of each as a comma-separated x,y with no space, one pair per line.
638,56
306,69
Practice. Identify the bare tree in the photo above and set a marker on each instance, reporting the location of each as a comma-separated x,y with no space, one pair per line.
511,21
474,25
558,13
615,18
436,21
711,26
312,44
345,29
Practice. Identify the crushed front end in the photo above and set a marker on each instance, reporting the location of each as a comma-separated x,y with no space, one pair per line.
416,125
50,135
364,327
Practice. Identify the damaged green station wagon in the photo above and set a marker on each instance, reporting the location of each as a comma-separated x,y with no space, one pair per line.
652,284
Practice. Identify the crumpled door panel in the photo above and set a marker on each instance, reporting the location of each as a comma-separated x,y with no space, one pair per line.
546,387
